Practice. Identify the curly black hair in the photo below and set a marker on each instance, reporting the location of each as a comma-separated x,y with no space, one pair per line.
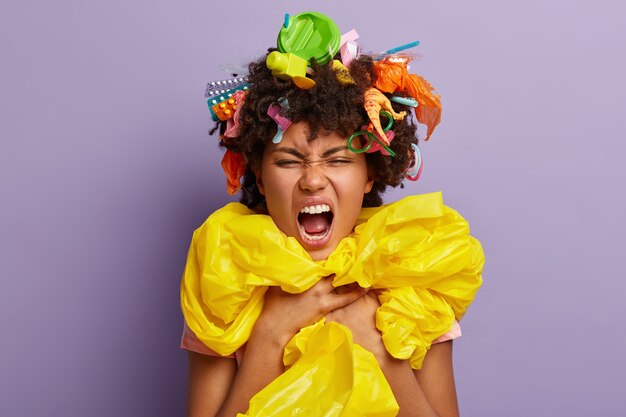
329,106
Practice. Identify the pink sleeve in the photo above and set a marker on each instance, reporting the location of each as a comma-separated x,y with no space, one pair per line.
453,333
189,341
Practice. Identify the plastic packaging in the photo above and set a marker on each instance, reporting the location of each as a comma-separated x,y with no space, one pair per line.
416,249
327,375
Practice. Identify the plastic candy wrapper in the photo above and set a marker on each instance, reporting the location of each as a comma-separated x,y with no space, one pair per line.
418,250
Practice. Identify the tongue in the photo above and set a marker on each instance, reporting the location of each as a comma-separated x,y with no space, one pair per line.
314,223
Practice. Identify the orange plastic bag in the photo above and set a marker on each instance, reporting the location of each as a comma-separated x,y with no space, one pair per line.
393,76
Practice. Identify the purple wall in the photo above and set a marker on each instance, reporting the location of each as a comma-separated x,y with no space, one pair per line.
106,168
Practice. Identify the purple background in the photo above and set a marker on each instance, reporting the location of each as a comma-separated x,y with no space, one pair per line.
106,168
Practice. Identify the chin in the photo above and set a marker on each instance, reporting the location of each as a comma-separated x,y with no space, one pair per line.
320,254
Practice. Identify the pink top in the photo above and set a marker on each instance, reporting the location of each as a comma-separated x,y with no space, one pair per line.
189,341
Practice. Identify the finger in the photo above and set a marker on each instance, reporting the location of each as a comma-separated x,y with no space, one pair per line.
324,285
372,294
346,288
342,300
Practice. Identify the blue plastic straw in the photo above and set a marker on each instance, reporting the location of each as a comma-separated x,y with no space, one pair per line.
402,47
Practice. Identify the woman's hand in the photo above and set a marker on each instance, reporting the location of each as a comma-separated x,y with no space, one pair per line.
360,318
284,314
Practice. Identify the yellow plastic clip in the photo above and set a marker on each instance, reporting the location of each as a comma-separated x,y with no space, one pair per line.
288,66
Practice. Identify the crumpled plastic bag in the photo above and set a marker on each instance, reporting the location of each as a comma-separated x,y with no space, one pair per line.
346,378
392,76
417,250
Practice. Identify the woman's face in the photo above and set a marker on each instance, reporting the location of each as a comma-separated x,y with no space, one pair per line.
313,189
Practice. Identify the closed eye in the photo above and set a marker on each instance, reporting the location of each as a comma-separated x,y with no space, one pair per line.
288,163
337,162
332,162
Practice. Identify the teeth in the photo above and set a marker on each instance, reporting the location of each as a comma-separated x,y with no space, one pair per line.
320,208
314,238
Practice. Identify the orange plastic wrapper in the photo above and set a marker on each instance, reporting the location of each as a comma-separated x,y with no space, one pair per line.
234,167
417,252
393,76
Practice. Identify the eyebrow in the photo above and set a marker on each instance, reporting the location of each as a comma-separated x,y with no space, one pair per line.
336,149
291,151
298,154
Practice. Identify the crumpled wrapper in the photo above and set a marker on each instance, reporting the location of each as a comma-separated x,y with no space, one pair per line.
417,251
393,76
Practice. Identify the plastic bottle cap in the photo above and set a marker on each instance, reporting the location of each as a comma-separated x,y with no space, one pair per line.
276,61
310,35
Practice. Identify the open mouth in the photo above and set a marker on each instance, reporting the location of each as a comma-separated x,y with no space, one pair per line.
315,223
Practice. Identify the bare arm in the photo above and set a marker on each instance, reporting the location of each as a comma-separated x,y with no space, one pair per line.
436,378
209,380
218,388
428,392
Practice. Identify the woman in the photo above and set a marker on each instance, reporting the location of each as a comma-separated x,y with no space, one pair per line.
309,170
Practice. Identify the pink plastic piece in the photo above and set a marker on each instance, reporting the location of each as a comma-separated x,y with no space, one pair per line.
232,124
274,111
349,48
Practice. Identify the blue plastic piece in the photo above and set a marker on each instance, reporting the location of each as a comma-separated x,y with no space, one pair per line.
404,101
418,161
402,47
278,136
286,24
213,115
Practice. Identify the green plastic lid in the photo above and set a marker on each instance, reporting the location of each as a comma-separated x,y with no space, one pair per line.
310,35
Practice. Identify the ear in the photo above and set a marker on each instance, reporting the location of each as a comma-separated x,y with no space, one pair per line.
370,182
259,179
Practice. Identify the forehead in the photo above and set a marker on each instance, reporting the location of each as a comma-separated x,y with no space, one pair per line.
298,136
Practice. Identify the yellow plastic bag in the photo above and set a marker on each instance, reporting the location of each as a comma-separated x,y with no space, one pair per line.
346,379
417,250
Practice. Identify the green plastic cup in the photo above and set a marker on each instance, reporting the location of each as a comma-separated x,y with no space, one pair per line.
310,35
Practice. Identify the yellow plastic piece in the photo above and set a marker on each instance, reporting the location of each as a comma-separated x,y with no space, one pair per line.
343,73
286,65
417,249
303,82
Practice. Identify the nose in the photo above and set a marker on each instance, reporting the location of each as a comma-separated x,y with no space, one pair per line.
313,177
